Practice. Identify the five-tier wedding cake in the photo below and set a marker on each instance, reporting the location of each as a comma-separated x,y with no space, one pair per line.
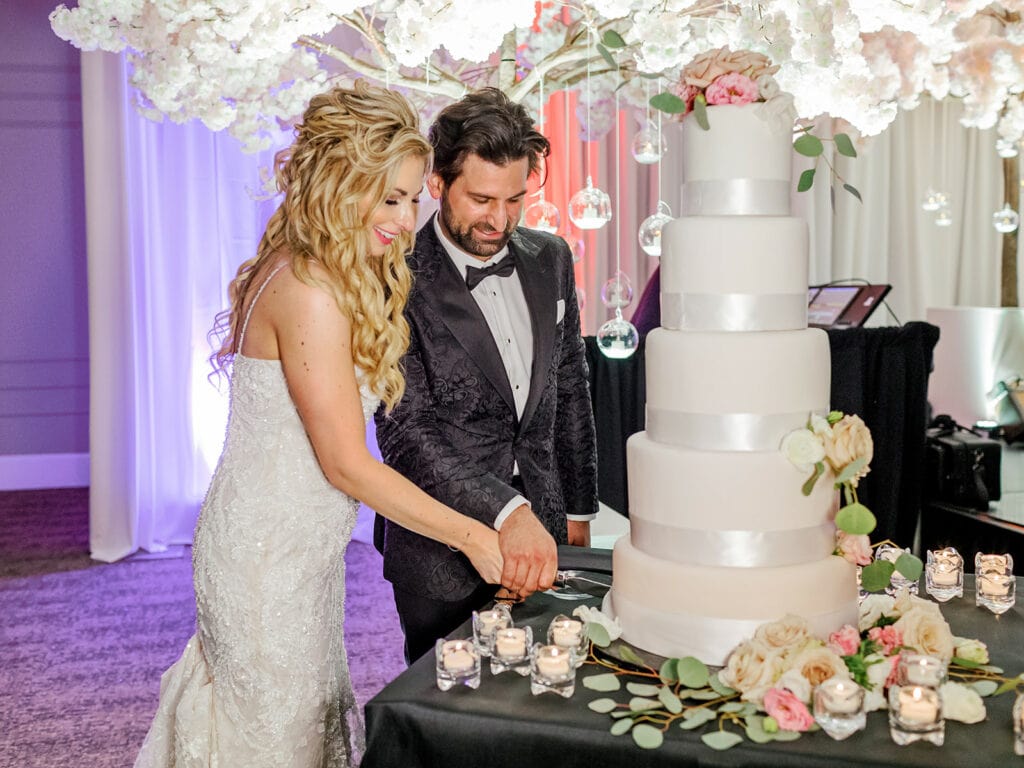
721,537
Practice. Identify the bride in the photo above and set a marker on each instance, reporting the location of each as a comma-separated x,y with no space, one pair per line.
315,331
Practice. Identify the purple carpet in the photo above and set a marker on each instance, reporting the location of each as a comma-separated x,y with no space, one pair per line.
83,644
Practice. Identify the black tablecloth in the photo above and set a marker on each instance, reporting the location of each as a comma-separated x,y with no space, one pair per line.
501,725
880,374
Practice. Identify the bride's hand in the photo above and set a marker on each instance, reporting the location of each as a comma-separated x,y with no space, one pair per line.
482,549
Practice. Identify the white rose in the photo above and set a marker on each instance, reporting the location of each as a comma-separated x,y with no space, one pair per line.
878,673
971,650
926,632
595,616
767,87
906,601
961,703
803,449
796,683
751,669
874,607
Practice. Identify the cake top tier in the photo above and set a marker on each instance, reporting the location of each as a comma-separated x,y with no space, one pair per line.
741,166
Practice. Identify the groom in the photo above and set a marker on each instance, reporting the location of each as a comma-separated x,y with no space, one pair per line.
496,420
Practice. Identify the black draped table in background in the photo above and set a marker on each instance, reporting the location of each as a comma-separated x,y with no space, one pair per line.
412,724
880,374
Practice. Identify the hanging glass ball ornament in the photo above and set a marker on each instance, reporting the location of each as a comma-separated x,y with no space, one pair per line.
577,247
590,208
1005,220
542,215
649,233
933,200
944,218
581,298
648,146
1006,148
617,291
618,338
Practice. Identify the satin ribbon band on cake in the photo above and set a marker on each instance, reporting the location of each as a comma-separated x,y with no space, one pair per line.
736,197
723,431
733,549
734,311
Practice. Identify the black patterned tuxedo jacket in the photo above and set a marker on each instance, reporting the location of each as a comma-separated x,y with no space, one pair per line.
455,433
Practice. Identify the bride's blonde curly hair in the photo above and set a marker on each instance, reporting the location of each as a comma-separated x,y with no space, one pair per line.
348,148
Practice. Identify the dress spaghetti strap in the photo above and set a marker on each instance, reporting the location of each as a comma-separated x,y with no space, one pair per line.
248,312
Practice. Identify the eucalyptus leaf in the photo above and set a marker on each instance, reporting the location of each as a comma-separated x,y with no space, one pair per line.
604,706
756,732
598,634
910,566
721,740
808,145
844,146
781,735
641,704
700,112
668,672
985,687
606,55
695,718
704,694
819,470
670,701
693,673
622,713
806,180
994,670
620,727
720,688
851,469
647,736
629,655
853,191
876,576
856,519
643,689
612,39
604,683
732,706
669,103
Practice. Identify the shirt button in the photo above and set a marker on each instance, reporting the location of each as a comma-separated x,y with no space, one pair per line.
494,293
517,386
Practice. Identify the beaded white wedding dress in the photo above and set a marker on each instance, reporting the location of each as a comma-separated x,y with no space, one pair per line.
264,681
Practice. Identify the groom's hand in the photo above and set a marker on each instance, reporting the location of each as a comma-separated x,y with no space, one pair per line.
530,554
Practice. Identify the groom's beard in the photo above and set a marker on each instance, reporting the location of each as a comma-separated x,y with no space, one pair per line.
462,234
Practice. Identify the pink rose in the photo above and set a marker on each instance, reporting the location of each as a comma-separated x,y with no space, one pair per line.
733,88
855,548
888,638
685,92
789,712
844,641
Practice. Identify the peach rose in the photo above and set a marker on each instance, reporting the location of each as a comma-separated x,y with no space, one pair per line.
786,633
926,632
850,440
789,712
751,669
856,548
708,67
819,664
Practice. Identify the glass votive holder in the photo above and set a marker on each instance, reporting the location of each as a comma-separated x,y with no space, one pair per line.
485,623
915,703
510,650
552,670
897,581
570,634
944,574
998,563
995,591
1018,725
839,707
458,663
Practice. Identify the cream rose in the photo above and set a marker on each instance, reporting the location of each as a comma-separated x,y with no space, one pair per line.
850,440
906,601
818,664
961,703
751,669
786,633
926,632
707,67
803,449
874,607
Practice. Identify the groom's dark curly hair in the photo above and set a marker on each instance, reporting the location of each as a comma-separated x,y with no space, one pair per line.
489,125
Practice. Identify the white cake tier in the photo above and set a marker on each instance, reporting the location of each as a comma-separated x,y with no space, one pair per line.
734,391
741,166
724,508
678,610
730,273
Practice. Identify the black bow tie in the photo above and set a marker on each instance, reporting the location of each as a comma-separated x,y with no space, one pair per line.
503,268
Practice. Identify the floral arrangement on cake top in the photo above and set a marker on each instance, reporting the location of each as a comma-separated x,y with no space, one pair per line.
840,446
723,76
764,691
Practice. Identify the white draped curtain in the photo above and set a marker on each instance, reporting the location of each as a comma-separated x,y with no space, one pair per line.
171,214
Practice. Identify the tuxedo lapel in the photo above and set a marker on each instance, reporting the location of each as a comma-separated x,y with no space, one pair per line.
444,289
537,276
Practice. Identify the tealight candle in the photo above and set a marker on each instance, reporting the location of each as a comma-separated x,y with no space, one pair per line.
839,707
457,660
917,705
567,633
554,666
997,563
510,643
552,670
993,583
457,663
